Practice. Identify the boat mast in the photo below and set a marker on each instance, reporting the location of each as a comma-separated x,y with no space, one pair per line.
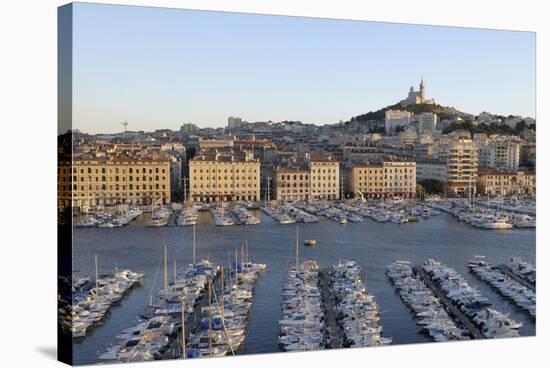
242,258
222,295
165,273
183,353
96,280
175,271
246,250
236,266
297,251
210,319
194,251
229,267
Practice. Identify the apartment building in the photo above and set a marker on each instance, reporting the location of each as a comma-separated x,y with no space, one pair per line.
85,183
382,179
427,122
500,182
396,118
292,182
399,178
460,155
367,179
224,176
325,176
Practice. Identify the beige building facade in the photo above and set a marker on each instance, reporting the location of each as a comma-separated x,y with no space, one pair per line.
386,179
325,177
292,184
317,177
216,176
366,179
497,182
108,182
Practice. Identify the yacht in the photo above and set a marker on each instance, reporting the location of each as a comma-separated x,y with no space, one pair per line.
495,223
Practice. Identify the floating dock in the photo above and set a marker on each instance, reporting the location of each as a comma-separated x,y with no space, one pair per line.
449,305
508,272
334,331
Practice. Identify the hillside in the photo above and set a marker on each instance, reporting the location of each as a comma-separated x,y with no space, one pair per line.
444,112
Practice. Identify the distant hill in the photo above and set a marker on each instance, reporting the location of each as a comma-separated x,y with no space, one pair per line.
444,112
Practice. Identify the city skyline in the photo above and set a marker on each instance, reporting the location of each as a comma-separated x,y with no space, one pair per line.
159,68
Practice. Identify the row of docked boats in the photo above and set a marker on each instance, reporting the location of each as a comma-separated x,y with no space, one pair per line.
159,217
328,210
109,220
429,311
490,322
397,213
302,327
155,332
521,295
300,215
515,204
222,328
523,270
188,216
485,220
222,216
485,217
279,214
236,214
89,307
356,309
243,216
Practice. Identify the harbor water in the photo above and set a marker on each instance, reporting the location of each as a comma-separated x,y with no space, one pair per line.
372,245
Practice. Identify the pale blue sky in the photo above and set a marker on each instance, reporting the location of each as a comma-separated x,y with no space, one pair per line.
158,68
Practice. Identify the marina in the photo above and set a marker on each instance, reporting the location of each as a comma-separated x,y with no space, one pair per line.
521,295
490,322
91,300
490,214
429,310
222,328
370,244
303,323
356,309
521,271
156,329
476,213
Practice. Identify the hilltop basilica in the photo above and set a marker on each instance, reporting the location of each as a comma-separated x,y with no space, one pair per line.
417,97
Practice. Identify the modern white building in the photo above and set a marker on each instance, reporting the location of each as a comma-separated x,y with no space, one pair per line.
499,153
461,157
396,118
408,136
427,122
235,122
505,154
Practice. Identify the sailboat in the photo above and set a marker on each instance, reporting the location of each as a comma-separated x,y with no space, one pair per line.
159,218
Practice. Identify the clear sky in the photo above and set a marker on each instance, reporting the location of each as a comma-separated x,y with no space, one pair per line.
159,68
